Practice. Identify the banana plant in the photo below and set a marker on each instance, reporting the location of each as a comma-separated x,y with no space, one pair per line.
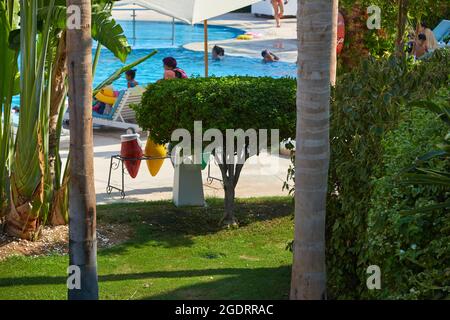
105,30
31,147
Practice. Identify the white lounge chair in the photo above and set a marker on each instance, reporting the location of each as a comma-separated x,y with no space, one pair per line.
121,115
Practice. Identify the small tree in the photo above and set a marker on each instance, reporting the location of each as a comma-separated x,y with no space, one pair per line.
220,103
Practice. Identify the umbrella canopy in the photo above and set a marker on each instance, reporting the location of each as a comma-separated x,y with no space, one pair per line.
190,11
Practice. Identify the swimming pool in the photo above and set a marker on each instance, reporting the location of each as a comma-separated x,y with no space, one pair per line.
151,35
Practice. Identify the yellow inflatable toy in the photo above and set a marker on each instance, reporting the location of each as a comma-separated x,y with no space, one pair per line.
245,37
154,150
106,95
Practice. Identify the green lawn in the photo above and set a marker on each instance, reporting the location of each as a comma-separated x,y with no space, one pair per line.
175,254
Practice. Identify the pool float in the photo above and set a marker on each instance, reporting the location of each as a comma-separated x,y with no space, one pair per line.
130,148
245,37
154,150
340,33
106,95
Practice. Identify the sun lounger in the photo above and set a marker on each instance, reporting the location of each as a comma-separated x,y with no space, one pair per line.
441,31
121,115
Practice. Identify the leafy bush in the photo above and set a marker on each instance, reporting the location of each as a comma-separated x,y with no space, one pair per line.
367,104
220,103
409,242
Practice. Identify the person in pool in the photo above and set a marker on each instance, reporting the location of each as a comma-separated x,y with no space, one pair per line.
218,53
171,71
269,56
131,75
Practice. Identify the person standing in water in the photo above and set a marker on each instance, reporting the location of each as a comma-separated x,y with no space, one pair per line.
269,56
218,53
278,8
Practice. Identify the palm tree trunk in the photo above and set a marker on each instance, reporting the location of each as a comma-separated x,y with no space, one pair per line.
312,151
82,212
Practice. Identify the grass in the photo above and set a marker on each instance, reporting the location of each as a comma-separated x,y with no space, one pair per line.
175,253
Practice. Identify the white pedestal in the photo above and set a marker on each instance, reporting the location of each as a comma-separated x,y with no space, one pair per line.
188,185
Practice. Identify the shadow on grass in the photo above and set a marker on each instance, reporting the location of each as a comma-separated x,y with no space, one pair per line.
166,225
234,283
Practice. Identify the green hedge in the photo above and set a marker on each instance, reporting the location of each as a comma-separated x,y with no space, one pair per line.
222,103
367,104
411,248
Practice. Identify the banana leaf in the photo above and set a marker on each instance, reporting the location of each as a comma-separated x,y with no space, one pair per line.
116,75
28,165
105,30
8,75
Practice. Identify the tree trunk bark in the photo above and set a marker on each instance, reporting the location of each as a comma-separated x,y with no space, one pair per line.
58,94
334,27
312,152
82,212
401,24
229,218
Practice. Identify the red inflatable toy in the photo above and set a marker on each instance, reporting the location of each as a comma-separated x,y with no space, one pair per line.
131,149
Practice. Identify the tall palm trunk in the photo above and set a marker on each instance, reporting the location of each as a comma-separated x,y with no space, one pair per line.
82,207
312,151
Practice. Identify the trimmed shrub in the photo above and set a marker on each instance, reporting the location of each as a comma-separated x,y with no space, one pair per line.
220,103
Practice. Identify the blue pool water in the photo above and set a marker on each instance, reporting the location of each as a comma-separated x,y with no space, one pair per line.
158,35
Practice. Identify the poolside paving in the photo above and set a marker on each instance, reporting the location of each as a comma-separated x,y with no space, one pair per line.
257,179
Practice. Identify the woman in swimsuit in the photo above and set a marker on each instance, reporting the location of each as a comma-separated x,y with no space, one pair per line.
278,8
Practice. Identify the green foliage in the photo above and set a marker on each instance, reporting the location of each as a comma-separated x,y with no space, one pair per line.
105,30
381,42
8,72
408,234
367,104
221,103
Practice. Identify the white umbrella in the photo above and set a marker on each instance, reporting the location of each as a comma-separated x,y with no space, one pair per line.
192,11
